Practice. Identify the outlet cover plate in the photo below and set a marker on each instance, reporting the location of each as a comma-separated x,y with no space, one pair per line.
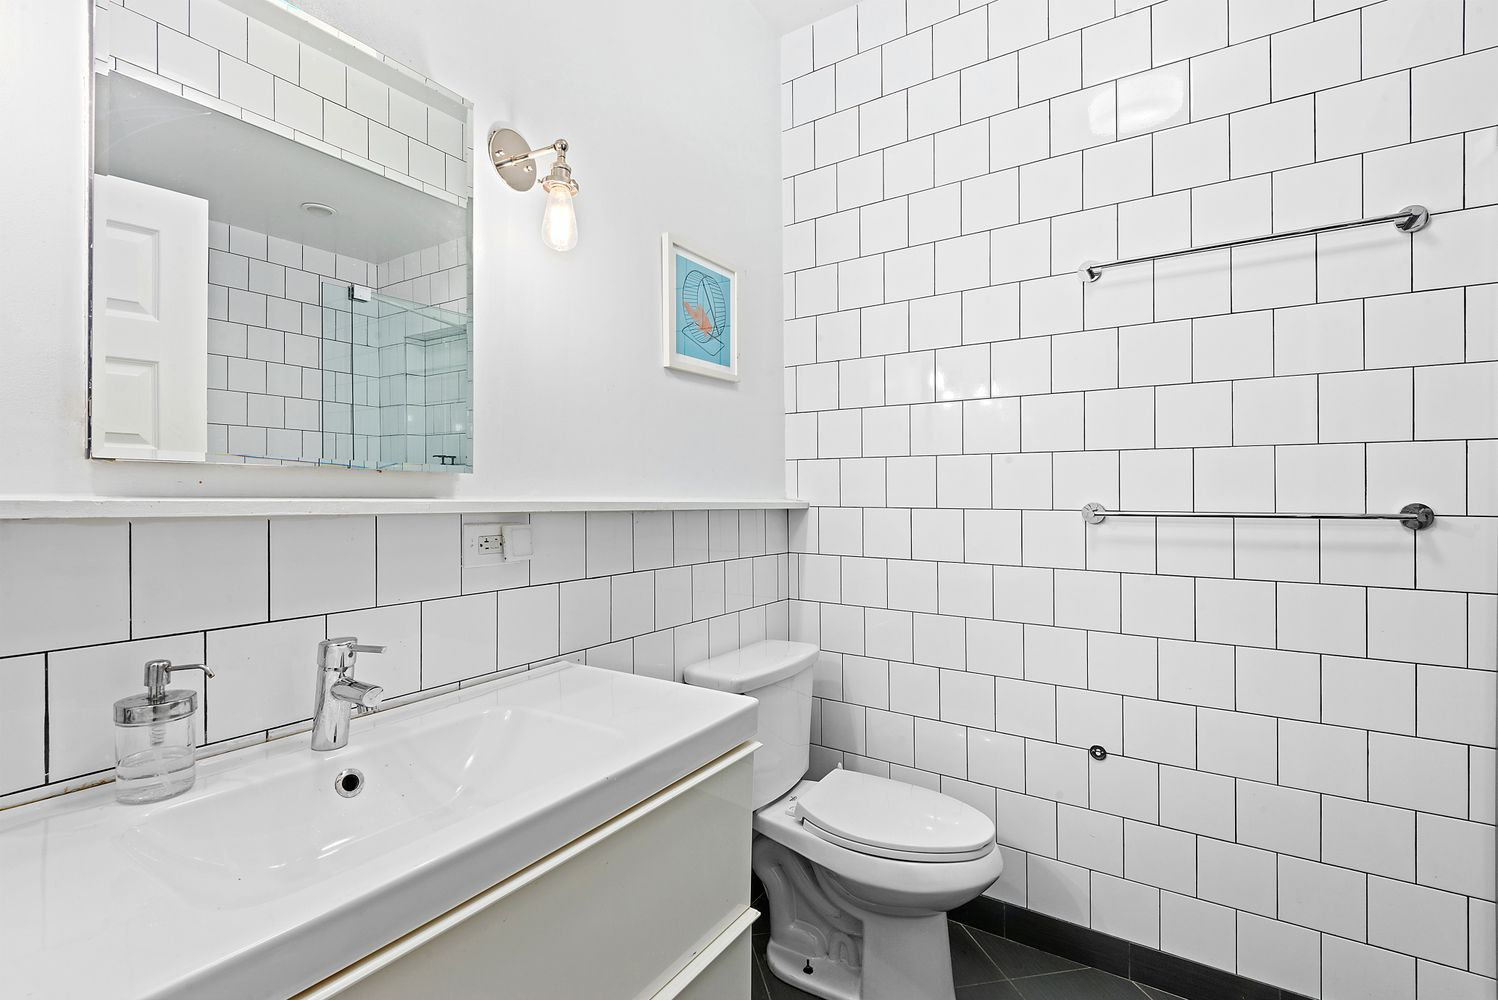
483,544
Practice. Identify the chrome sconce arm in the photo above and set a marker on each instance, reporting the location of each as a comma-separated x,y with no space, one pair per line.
515,162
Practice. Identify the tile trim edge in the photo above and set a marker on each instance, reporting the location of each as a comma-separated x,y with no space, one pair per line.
142,508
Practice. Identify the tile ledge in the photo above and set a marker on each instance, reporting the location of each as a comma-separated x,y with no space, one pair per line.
137,508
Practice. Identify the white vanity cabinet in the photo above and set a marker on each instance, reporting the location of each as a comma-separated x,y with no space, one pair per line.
652,904
569,832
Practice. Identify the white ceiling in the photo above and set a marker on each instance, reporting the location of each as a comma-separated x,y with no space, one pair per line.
257,179
788,15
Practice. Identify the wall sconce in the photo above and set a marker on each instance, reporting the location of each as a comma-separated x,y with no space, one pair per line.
514,161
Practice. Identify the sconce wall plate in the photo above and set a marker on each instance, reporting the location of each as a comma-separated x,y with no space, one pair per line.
504,145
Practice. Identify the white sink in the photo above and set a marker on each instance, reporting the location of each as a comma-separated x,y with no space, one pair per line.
262,879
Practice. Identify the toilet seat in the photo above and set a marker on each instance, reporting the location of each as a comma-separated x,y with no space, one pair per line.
892,819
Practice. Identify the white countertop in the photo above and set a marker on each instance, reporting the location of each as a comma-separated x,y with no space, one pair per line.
261,881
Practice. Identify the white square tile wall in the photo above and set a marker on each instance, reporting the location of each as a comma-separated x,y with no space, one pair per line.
84,604
1300,714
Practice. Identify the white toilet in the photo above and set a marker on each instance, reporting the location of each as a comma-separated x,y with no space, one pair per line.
860,870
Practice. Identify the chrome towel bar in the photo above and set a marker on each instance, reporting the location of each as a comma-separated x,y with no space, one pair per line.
1407,220
1416,516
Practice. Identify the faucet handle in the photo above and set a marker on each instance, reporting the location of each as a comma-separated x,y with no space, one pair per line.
338,654
350,643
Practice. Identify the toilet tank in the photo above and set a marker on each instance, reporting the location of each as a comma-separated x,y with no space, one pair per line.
778,675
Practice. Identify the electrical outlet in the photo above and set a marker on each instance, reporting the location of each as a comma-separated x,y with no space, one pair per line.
494,543
483,544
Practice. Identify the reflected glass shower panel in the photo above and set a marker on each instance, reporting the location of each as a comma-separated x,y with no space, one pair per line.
396,387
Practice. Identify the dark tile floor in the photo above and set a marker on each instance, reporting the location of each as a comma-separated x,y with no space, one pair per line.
985,967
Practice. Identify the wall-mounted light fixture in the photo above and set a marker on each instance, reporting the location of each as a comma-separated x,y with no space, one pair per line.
515,161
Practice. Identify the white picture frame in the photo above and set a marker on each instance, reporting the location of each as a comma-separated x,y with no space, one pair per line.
698,293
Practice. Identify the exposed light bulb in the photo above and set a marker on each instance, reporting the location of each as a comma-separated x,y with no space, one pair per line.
559,224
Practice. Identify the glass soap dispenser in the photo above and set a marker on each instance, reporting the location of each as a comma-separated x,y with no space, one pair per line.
156,738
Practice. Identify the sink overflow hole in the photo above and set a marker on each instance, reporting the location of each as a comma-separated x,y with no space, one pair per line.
349,783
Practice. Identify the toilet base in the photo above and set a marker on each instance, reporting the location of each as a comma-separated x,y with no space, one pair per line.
907,958
829,979
854,951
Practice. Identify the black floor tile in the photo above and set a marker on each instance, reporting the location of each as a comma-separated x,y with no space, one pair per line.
1155,994
988,967
760,902
1016,961
970,963
757,988
1082,984
1057,937
989,991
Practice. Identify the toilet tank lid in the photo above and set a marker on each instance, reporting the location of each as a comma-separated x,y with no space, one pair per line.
756,666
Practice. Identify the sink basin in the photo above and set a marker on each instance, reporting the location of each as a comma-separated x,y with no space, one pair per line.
263,879
234,845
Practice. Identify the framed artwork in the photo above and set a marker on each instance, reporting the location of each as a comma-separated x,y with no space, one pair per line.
700,311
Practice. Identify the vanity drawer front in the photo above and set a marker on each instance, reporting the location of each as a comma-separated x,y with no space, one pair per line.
616,914
722,971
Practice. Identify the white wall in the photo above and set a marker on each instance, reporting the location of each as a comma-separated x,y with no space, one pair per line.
671,114
1300,714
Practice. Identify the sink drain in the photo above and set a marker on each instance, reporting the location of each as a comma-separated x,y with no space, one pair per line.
349,783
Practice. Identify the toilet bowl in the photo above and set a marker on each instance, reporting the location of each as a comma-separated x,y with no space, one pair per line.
859,870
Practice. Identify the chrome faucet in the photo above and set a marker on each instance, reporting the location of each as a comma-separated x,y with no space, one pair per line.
338,694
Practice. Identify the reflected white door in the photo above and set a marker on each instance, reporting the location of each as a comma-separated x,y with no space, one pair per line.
149,363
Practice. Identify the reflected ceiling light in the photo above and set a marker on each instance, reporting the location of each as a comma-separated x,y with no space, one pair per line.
1102,115
1149,101
514,161
318,209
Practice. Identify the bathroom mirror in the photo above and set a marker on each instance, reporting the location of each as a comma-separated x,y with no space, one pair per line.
281,237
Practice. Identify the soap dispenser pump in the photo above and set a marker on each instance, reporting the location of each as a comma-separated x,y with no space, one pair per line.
156,737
